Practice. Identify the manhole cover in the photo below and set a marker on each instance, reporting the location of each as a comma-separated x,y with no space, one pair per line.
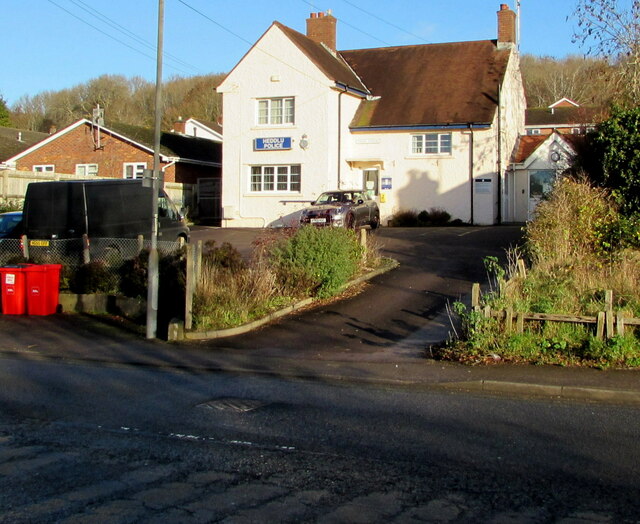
237,405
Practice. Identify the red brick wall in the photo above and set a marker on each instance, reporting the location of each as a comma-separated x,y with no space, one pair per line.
78,147
506,24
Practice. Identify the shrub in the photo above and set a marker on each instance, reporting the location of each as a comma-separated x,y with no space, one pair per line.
433,217
225,256
94,277
317,261
406,218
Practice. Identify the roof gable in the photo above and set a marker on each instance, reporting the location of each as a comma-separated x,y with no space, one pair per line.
432,84
172,146
529,146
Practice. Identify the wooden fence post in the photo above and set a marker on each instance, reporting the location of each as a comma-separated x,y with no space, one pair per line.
25,247
600,325
197,263
475,297
140,243
608,299
620,324
508,320
189,287
86,257
522,270
520,323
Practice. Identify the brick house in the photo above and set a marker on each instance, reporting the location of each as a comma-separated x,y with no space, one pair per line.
87,150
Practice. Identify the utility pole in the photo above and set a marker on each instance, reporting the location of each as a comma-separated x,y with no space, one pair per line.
152,285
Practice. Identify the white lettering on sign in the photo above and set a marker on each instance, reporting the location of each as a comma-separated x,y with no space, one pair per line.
10,279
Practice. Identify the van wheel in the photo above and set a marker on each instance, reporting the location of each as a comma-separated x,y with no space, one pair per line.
375,222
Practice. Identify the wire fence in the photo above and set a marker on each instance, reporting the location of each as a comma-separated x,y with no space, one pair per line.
107,256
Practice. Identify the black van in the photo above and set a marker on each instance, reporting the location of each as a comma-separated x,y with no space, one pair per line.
99,209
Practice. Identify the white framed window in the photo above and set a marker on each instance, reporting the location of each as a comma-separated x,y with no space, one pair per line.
276,111
44,168
134,169
276,179
86,169
431,144
576,131
533,131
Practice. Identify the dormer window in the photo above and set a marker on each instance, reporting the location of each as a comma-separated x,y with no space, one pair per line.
276,111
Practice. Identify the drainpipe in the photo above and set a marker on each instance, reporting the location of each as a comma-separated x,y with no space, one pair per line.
471,144
344,90
499,217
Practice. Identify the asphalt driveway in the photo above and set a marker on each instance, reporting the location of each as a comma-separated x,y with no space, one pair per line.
398,313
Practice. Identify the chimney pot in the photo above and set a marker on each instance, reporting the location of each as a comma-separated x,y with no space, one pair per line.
506,26
321,28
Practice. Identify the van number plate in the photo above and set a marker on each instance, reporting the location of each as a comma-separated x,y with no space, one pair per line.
40,243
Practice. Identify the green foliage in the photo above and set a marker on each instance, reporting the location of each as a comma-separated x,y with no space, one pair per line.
405,218
616,147
433,217
579,246
317,261
5,117
94,277
133,276
225,256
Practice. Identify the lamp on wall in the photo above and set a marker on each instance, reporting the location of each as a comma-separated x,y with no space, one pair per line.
304,141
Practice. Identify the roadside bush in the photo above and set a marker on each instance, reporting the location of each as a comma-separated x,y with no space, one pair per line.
94,277
317,261
225,256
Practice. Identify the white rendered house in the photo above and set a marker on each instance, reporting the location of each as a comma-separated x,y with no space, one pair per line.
419,127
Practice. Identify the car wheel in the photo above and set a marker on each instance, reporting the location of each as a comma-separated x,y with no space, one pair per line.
375,222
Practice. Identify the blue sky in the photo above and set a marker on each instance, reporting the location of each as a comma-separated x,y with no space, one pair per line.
56,44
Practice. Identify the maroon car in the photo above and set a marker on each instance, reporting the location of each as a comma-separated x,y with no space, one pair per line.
351,209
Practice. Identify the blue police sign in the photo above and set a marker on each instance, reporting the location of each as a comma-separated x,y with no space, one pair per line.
272,144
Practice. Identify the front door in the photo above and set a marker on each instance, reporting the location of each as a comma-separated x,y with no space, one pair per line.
540,184
370,181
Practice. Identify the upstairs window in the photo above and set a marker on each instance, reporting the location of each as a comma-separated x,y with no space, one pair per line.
134,170
86,169
431,144
276,111
44,168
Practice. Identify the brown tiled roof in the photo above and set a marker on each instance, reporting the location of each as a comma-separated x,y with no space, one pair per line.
10,145
433,84
527,145
331,65
172,144
563,116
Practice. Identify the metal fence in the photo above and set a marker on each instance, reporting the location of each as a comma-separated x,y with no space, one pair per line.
109,253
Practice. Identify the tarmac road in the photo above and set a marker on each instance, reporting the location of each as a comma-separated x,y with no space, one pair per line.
401,312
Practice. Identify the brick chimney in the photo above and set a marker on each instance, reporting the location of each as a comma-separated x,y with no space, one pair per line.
321,28
506,26
180,126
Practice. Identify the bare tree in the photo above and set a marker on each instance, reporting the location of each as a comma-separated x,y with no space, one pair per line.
612,31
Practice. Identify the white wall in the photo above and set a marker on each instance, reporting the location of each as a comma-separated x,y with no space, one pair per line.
282,70
275,67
